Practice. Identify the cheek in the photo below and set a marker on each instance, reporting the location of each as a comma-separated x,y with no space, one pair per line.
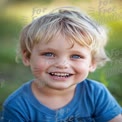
81,67
82,72
38,68
37,71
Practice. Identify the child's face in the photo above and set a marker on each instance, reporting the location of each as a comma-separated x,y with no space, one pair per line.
59,66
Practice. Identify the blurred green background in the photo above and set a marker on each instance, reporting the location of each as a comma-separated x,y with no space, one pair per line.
14,14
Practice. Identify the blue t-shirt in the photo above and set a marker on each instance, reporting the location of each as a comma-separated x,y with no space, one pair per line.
92,102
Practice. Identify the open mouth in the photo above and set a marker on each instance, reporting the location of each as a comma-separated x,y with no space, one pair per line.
61,74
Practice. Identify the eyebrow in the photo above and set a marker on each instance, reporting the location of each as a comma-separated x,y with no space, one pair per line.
75,51
47,49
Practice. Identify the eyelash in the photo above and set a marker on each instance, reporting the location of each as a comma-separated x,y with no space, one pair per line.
75,56
49,54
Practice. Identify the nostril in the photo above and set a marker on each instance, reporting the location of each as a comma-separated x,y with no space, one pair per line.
61,63
61,66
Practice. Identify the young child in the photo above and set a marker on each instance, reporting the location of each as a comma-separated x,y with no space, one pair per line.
61,48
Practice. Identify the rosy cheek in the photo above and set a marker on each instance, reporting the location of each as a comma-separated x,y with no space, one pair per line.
80,68
38,70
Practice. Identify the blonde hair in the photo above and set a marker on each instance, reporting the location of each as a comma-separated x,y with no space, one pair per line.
72,24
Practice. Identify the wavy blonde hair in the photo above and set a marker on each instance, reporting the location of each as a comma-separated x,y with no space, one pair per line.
74,25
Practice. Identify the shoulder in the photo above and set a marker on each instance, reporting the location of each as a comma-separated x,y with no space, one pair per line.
16,105
17,95
94,91
106,107
93,86
97,90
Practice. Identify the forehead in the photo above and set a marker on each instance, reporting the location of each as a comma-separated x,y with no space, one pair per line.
61,44
60,41
61,38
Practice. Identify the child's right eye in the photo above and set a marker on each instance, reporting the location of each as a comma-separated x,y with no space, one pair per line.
48,54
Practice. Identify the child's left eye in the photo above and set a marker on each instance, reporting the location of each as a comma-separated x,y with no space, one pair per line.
76,56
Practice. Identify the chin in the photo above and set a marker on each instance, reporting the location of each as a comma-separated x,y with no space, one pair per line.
61,87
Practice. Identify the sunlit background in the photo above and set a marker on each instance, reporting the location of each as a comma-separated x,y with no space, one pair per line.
14,14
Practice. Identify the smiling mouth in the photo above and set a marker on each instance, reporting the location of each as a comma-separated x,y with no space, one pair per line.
61,74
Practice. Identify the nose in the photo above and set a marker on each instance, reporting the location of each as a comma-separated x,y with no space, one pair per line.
62,63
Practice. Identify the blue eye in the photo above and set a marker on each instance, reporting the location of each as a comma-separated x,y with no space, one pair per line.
48,54
76,56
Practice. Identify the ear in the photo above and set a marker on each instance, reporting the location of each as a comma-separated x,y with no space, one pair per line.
25,58
93,66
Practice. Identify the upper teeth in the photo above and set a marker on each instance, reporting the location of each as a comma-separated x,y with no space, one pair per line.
60,74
